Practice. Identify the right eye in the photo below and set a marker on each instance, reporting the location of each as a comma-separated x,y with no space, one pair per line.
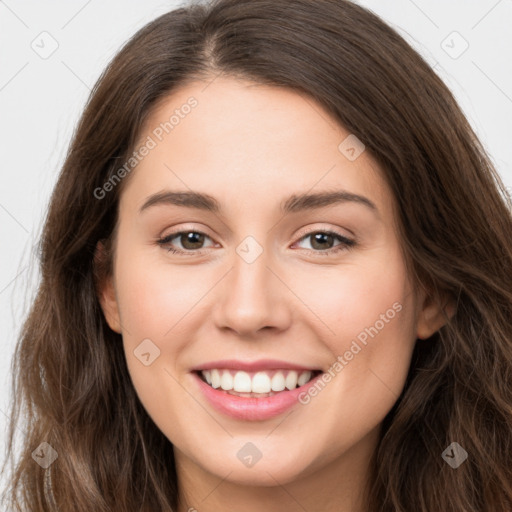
189,238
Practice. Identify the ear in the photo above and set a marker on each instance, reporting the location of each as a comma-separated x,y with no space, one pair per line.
433,314
105,288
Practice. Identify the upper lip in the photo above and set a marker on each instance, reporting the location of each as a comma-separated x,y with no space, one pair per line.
251,366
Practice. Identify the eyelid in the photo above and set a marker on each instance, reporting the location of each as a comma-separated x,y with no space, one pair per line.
347,241
310,230
165,240
300,235
345,245
187,228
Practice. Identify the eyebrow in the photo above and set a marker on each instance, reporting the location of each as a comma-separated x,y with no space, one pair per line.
294,203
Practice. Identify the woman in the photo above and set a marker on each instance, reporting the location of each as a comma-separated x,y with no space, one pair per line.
186,351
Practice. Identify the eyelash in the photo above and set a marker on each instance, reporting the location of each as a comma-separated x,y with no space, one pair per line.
346,243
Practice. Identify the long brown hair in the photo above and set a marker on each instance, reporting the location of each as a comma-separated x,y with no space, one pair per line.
70,379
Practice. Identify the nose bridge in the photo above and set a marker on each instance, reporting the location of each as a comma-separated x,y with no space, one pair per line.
252,296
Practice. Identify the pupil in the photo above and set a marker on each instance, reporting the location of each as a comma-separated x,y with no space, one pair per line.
321,237
191,238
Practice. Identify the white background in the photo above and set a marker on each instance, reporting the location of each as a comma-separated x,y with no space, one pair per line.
41,100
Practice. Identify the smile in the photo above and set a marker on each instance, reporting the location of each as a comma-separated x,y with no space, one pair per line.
258,384
254,406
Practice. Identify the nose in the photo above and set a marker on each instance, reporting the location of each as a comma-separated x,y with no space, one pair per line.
253,297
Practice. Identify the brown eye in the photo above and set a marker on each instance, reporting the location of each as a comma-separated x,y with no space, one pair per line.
322,242
190,241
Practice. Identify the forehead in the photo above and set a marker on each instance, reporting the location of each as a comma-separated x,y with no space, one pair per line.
249,142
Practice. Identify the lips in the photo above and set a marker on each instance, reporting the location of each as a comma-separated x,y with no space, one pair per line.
251,408
253,366
253,390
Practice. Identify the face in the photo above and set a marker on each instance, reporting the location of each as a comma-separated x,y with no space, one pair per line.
266,280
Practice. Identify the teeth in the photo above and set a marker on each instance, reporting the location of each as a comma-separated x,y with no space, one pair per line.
215,379
242,382
278,382
303,378
291,380
259,382
226,381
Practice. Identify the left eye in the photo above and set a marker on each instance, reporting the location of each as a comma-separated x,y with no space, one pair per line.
192,241
327,237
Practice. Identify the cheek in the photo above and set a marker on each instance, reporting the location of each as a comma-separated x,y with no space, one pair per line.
154,297
154,301
157,302
351,297
365,314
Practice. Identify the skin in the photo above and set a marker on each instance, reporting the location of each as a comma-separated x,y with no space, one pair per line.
251,147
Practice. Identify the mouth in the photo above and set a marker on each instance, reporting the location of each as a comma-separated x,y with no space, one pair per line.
255,384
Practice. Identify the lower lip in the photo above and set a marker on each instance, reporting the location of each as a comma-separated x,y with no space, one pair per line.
251,408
